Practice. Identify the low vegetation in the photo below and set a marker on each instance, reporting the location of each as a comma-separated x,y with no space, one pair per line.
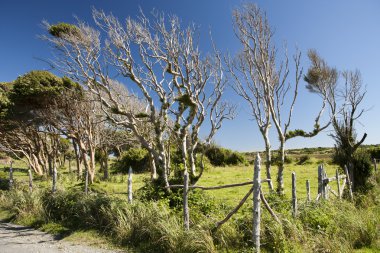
155,225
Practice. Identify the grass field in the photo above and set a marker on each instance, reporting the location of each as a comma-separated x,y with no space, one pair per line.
214,176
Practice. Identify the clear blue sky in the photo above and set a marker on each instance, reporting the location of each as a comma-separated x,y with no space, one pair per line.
345,32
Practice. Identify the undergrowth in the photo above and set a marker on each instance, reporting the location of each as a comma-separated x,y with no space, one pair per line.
156,225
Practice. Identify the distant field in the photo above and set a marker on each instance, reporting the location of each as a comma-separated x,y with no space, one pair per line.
214,176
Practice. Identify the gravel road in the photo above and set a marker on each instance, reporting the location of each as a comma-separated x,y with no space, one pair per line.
19,239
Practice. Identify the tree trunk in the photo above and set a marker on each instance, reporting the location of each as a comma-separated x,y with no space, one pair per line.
192,163
268,161
280,175
78,160
152,166
92,165
163,165
256,204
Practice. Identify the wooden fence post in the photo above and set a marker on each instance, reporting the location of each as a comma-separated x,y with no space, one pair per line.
320,179
294,194
326,186
54,188
130,197
374,164
186,219
348,179
256,204
308,190
30,180
338,184
11,176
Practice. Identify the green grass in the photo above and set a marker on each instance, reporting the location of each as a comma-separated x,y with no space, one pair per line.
117,184
238,174
141,217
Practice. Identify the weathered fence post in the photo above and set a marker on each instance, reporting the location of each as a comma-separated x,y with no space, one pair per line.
348,179
294,194
86,182
256,204
54,188
30,180
338,184
308,191
374,164
325,184
130,197
186,219
320,180
11,176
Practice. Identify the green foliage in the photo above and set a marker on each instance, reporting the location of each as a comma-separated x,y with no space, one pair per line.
276,159
136,158
61,29
186,100
141,115
35,91
4,97
221,157
374,152
362,164
304,159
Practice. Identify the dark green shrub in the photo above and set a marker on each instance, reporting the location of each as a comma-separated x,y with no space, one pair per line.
217,155
221,157
235,159
362,165
304,159
276,159
362,170
136,158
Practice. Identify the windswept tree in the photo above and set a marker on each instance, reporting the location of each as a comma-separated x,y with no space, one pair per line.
344,101
25,129
158,59
262,79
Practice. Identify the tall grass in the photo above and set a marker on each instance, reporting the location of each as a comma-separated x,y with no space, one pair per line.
156,226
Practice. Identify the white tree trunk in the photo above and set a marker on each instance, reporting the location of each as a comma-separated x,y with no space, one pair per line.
256,204
130,197
54,187
186,220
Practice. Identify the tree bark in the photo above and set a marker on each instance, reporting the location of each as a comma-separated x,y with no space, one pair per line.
256,204
268,161
280,175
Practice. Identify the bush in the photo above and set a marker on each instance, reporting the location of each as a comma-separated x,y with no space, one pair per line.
362,170
136,158
221,157
276,159
304,159
362,165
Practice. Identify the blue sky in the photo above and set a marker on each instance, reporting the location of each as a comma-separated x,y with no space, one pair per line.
345,32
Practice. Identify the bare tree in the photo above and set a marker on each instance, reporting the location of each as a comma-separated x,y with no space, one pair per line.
343,100
159,59
264,84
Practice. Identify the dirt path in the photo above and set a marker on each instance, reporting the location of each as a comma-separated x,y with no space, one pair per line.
19,239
